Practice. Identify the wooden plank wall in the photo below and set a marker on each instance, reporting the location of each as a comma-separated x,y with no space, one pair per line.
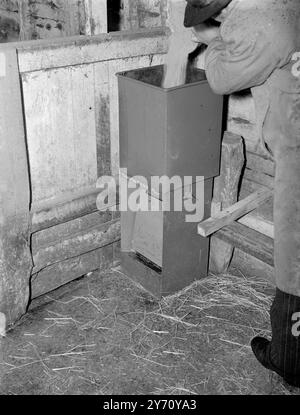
9,21
243,119
143,14
15,254
70,98
44,19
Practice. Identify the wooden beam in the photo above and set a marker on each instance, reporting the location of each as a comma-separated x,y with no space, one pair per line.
236,211
74,238
24,18
47,54
249,241
15,255
225,195
63,272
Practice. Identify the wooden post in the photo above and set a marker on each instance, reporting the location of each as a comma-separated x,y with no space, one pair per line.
96,17
226,194
15,255
24,13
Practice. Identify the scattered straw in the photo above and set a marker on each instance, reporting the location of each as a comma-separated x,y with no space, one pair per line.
194,342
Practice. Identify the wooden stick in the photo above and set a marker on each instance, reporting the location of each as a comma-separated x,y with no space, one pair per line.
236,211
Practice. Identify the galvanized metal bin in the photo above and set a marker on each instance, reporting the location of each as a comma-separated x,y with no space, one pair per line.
175,131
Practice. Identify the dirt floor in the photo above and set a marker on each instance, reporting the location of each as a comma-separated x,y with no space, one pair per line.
104,335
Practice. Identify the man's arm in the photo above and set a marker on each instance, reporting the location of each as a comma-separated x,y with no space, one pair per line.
239,56
240,64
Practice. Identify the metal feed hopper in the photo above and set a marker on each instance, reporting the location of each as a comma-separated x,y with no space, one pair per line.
172,132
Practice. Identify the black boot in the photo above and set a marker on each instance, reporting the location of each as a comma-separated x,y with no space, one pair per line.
282,353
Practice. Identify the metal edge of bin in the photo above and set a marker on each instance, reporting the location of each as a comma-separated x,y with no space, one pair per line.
160,88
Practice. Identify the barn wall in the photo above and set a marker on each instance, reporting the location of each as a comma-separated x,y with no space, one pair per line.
70,98
143,14
44,19
9,21
71,111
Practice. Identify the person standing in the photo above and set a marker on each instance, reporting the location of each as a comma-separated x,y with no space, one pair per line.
255,47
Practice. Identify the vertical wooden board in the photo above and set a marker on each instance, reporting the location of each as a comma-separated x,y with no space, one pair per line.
96,16
15,256
102,113
84,122
226,188
242,119
125,15
164,11
50,19
149,13
9,21
143,13
25,29
75,17
133,14
48,122
60,120
115,67
44,21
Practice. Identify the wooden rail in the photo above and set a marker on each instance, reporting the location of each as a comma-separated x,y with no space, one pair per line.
234,212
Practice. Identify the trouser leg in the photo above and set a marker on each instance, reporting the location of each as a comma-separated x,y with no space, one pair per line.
282,353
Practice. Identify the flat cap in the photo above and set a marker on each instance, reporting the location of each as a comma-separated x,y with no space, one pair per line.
197,11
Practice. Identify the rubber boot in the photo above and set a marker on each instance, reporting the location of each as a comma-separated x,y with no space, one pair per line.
282,353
